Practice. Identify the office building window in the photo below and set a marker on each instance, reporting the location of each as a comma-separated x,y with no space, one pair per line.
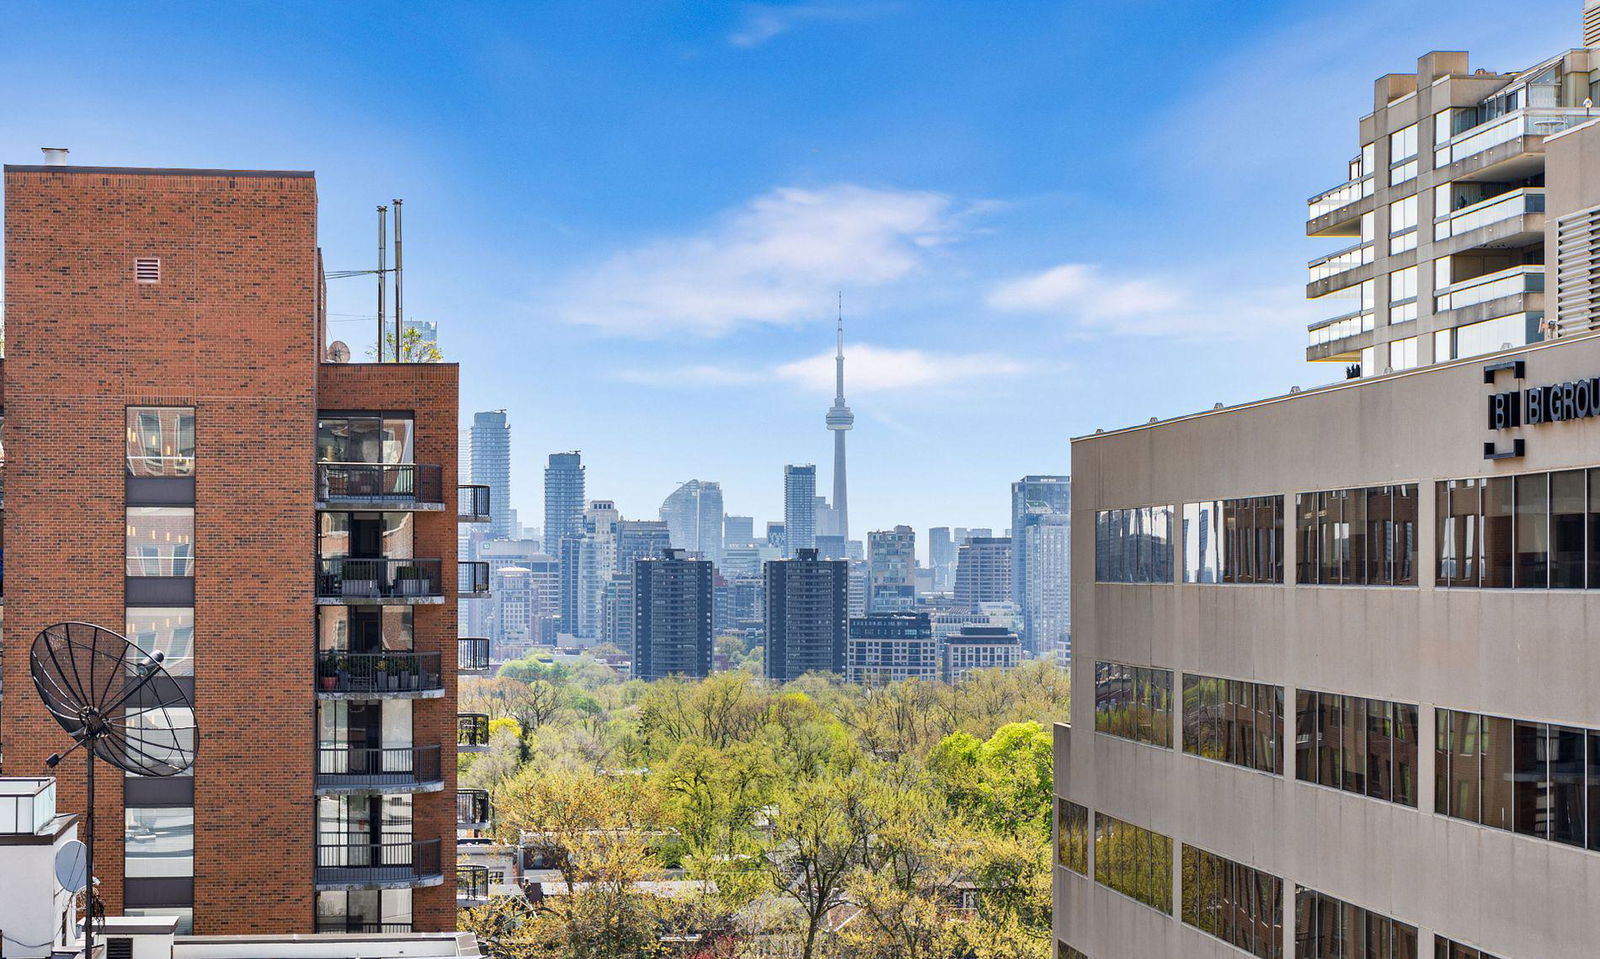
1133,861
1328,928
160,541
1357,537
1134,702
1133,545
1535,531
159,843
1237,722
1233,541
1237,904
1530,778
1072,836
1446,949
168,629
160,441
1358,745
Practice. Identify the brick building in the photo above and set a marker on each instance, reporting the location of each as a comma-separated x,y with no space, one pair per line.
288,531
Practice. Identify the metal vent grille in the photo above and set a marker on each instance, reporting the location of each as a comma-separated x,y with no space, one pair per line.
147,270
1577,272
119,947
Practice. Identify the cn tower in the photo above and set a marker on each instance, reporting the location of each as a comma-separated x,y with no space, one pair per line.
840,420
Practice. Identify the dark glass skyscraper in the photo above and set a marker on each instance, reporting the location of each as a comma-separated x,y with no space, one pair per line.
806,615
799,508
563,499
489,450
672,618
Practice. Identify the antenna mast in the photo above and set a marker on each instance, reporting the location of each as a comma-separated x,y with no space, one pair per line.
399,287
383,247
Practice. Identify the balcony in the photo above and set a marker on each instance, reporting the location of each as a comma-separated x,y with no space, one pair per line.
1337,212
472,885
472,578
472,504
1515,284
1506,148
394,486
472,809
396,673
1331,339
1340,261
387,769
1510,220
472,732
472,654
359,926
383,581
352,862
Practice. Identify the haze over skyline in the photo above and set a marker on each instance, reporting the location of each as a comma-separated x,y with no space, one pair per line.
629,221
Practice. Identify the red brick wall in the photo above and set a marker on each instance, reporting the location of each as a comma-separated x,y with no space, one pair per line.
230,330
430,392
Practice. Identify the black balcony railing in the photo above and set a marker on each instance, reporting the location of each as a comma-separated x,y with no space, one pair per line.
472,808
391,671
472,652
472,882
379,579
472,577
362,767
343,858
399,482
472,503
472,729
349,925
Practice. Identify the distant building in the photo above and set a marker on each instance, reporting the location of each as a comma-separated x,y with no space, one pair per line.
618,620
1042,595
563,499
857,597
942,558
831,547
427,334
778,537
693,514
746,560
641,539
514,599
799,508
890,647
983,571
738,530
805,616
672,616
489,452
979,647
587,564
891,561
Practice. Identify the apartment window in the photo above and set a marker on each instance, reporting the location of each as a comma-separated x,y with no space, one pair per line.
365,439
1535,779
1133,861
1233,721
1534,531
166,734
1237,904
1233,541
160,440
1447,949
1357,745
364,910
1403,354
1072,836
1443,345
1403,155
160,541
1133,545
1133,702
1366,536
1403,225
1403,295
158,843
1329,928
169,629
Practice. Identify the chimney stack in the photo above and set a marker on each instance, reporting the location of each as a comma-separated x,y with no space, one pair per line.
55,156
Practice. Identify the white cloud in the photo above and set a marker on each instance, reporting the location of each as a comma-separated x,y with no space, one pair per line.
776,260
869,369
763,21
1091,299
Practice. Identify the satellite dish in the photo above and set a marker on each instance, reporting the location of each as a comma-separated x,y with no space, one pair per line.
115,700
338,352
72,866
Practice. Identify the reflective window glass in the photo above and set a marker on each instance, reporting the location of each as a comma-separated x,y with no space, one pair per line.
160,441
160,541
158,842
168,629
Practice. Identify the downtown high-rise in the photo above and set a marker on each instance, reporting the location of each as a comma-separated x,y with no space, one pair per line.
799,508
806,614
563,499
489,459
1041,560
693,514
672,616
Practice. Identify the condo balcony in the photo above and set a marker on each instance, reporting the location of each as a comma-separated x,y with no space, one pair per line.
1340,261
1515,290
472,809
472,578
1505,148
1337,212
389,486
1507,221
1336,338
472,503
353,925
472,654
472,732
346,861
391,674
383,581
472,885
386,769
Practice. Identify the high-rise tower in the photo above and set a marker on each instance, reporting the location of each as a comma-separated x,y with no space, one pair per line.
840,420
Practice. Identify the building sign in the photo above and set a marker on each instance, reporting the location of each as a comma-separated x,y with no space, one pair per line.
1535,405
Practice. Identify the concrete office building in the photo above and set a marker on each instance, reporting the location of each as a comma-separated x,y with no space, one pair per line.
672,619
983,571
891,647
563,499
978,647
693,514
805,616
185,467
891,560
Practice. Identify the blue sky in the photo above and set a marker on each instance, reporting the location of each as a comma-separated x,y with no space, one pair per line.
629,218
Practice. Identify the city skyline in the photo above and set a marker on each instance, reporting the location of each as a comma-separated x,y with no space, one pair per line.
996,258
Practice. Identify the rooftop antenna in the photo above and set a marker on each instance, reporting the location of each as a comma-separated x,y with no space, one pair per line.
115,699
399,281
383,251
